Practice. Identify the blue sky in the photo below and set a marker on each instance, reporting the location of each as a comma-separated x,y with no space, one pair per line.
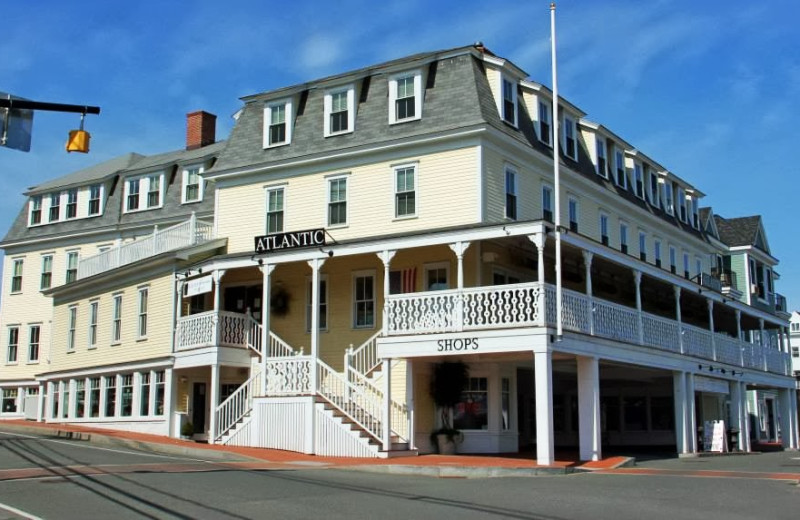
709,89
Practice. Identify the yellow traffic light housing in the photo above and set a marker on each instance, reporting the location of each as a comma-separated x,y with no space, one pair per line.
78,140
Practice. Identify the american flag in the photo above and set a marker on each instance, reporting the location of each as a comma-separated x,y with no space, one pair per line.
409,280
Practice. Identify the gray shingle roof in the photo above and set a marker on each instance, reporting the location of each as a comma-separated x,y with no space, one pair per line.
741,231
98,172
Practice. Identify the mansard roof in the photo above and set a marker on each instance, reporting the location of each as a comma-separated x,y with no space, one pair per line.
90,175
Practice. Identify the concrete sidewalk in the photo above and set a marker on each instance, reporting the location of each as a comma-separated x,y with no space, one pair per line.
464,466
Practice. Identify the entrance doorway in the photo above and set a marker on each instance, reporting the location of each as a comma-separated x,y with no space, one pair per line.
241,298
199,407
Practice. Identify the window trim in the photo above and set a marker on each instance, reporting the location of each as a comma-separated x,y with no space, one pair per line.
46,279
71,270
638,180
99,199
655,194
35,207
623,236
574,224
72,322
287,104
417,75
657,252
544,116
604,229
94,313
54,197
17,279
395,170
569,125
669,203
601,152
367,273
619,168
328,203
31,328
435,266
143,296
116,319
511,206
267,191
9,344
546,188
642,245
514,101
186,171
143,191
328,110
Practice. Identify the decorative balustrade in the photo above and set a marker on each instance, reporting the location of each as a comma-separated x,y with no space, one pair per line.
185,234
209,329
509,306
289,376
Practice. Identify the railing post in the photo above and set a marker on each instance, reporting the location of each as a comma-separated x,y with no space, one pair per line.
637,277
155,240
387,404
192,228
587,260
119,253
348,360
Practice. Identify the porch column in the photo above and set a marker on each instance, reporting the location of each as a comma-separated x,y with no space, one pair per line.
736,415
637,278
762,341
315,264
40,412
543,374
589,408
692,418
266,289
169,399
412,445
745,433
711,328
459,248
784,396
587,262
681,413
795,433
538,240
387,404
677,291
178,304
386,258
217,276
214,398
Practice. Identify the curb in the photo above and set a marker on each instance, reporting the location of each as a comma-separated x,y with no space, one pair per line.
458,471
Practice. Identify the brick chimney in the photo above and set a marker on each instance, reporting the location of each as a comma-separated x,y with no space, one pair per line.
201,129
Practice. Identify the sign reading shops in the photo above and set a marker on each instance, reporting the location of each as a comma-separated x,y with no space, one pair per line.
290,240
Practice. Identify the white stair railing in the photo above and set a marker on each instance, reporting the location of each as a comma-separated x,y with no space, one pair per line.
277,346
398,412
364,359
236,406
363,409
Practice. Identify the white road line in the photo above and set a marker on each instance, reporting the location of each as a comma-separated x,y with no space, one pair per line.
78,445
19,512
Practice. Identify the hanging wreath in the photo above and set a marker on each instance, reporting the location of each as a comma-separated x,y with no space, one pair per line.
279,302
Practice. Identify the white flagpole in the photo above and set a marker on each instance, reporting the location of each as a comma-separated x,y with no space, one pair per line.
556,172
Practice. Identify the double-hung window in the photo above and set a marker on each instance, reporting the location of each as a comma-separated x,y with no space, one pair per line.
673,268
13,345
657,252
642,246
405,97
509,101
278,123
682,204
668,206
154,191
544,122
47,272
604,229
141,331
275,209
116,322
619,168
511,193
623,237
337,201
547,203
73,321
192,184
72,203
133,195
363,300
33,343
405,191
570,142
339,111
36,210
323,303
95,192
602,159
16,276
144,394
573,214
55,207
686,265
638,180
72,266
655,199
93,311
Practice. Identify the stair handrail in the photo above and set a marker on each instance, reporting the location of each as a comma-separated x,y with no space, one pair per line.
364,359
237,405
399,412
277,346
349,399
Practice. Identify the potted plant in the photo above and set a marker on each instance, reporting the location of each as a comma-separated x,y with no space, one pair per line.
449,380
187,430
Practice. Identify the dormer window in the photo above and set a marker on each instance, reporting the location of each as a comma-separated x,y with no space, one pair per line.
55,207
668,205
509,102
278,123
602,160
133,195
192,184
638,180
544,122
405,97
154,191
695,211
570,145
72,203
36,210
619,169
655,200
339,111
95,194
152,185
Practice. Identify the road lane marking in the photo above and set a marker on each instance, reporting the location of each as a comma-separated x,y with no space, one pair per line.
704,473
19,512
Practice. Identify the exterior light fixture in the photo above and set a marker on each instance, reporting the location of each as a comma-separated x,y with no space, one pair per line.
78,140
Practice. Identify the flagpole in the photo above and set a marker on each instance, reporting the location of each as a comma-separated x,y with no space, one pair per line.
556,172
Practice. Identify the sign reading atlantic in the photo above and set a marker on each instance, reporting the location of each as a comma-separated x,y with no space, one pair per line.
290,240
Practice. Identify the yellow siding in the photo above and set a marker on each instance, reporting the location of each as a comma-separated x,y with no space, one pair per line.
449,176
131,348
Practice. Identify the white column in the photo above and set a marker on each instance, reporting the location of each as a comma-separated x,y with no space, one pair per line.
637,279
735,418
538,240
587,261
543,373
387,404
681,414
214,401
315,265
795,418
677,291
692,417
386,258
266,282
784,396
151,399
40,415
103,392
459,248
169,399
136,395
410,403
745,433
118,395
589,408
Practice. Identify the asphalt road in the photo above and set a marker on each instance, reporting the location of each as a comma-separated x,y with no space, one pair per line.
60,479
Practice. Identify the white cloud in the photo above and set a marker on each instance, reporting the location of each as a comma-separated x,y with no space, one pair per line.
320,52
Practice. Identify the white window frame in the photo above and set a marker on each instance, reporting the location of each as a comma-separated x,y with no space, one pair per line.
436,266
15,345
188,170
330,202
116,319
642,245
14,276
601,149
395,171
72,323
143,302
655,195
72,203
37,343
100,189
350,92
620,175
604,231
46,278
54,197
623,236
269,190
94,312
70,269
638,180
683,213
544,113
511,206
288,120
669,205
512,84
36,204
569,126
657,252
574,214
356,301
673,259
417,75
324,302
547,202
143,193
686,266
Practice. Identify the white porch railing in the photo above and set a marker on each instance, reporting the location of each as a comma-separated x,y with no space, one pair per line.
364,359
210,328
358,402
237,405
509,306
185,234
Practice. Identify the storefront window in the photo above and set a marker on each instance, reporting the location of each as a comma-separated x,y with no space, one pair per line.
159,393
609,416
111,395
65,401
94,397
80,396
635,413
9,400
144,404
505,400
471,412
127,395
